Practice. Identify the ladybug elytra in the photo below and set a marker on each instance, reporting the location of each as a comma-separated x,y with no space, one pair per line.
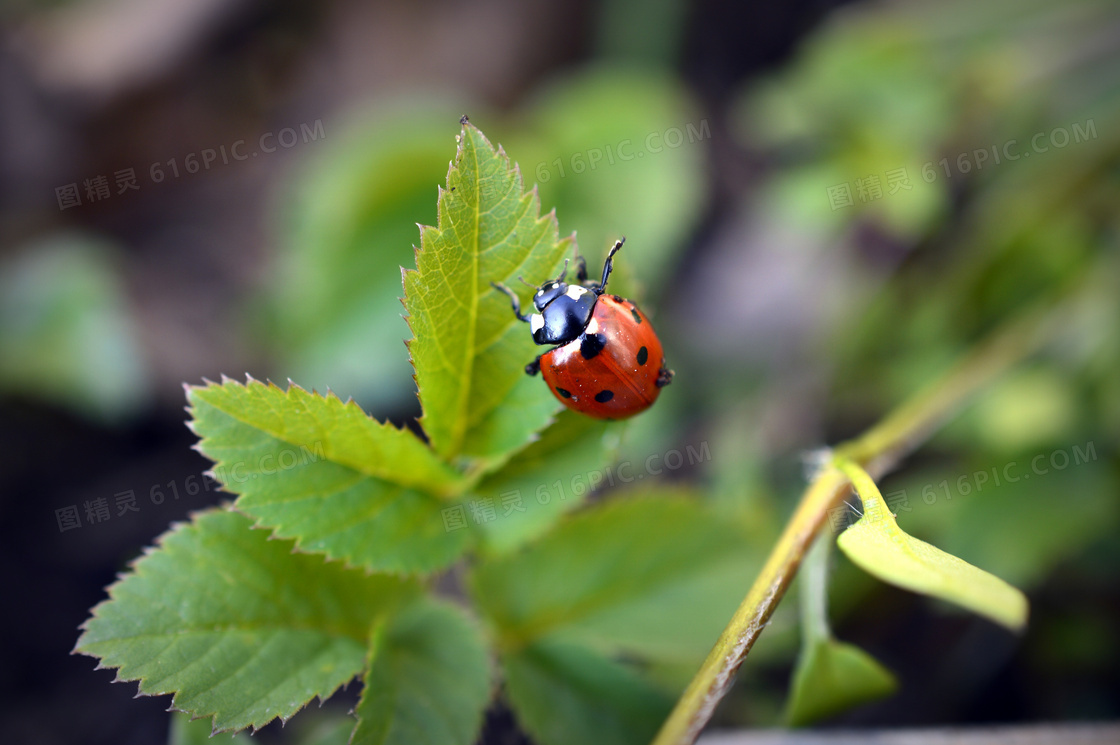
606,360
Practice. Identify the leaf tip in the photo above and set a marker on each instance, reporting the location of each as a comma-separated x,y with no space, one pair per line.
1016,618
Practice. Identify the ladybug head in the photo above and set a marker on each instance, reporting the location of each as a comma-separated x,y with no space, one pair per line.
551,289
548,292
563,310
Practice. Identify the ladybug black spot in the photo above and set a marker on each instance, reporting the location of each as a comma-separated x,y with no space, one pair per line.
591,345
643,355
604,396
563,392
617,298
634,312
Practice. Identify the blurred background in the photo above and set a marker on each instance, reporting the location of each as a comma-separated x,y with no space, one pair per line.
825,204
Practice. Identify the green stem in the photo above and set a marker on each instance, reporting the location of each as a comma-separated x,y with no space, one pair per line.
877,450
814,592
699,700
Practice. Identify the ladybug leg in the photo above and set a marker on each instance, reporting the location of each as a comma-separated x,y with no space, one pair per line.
581,270
534,367
664,377
512,299
608,265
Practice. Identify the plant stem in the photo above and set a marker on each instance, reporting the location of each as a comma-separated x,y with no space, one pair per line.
877,450
708,687
813,596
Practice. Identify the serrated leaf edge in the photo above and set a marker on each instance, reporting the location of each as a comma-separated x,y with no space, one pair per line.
451,495
533,195
131,569
454,489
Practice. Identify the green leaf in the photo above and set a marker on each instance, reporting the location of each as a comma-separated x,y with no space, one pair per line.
832,677
546,479
323,472
878,546
469,351
428,681
655,577
237,626
564,694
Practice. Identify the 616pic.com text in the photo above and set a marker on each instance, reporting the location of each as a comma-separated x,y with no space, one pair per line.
98,188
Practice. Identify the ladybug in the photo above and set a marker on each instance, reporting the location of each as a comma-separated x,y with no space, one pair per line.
606,360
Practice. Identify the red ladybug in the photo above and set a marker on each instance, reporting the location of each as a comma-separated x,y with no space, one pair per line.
606,361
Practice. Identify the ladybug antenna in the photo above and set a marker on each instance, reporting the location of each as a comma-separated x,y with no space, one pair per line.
522,281
617,245
608,265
